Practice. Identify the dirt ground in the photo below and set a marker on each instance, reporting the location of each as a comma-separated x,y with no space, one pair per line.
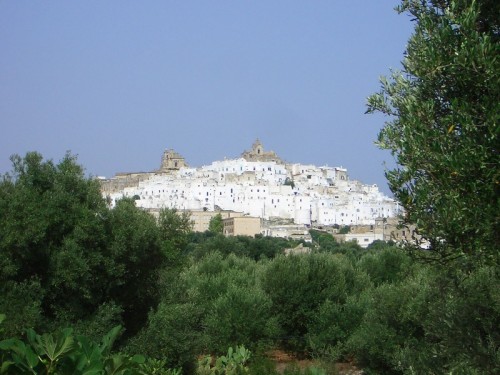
283,360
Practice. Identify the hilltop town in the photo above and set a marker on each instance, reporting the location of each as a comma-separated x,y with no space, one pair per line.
283,199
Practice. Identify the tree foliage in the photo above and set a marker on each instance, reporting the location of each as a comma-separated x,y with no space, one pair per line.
299,285
443,128
68,255
174,227
181,295
216,225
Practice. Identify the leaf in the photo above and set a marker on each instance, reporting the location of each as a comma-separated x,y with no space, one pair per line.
56,347
109,339
32,337
5,366
14,345
118,363
140,359
95,369
31,358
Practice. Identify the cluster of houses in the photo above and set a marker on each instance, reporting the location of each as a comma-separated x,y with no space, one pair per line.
258,193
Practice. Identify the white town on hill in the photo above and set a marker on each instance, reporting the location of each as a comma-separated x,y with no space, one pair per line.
258,193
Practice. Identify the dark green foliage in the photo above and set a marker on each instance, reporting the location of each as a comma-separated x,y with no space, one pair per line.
299,285
325,241
216,303
95,326
175,228
345,229
216,225
41,204
257,247
21,302
381,245
235,309
388,264
68,257
216,242
136,255
240,315
386,326
173,334
52,231
431,323
289,182
443,128
460,315
333,324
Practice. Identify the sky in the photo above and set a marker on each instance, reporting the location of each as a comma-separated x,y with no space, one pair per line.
118,82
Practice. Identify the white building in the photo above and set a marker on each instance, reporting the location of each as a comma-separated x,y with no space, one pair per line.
259,184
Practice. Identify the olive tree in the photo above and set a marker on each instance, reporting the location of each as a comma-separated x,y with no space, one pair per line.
67,257
216,225
443,110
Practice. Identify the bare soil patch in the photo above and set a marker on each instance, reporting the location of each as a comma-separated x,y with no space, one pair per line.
283,360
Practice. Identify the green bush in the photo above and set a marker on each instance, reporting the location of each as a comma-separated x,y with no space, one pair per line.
333,325
172,334
388,265
460,315
299,285
436,321
388,325
66,253
21,302
240,315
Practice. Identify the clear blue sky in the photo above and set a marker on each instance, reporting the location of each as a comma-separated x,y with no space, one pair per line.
117,82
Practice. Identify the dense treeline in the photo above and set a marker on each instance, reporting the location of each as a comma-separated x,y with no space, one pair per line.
68,259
